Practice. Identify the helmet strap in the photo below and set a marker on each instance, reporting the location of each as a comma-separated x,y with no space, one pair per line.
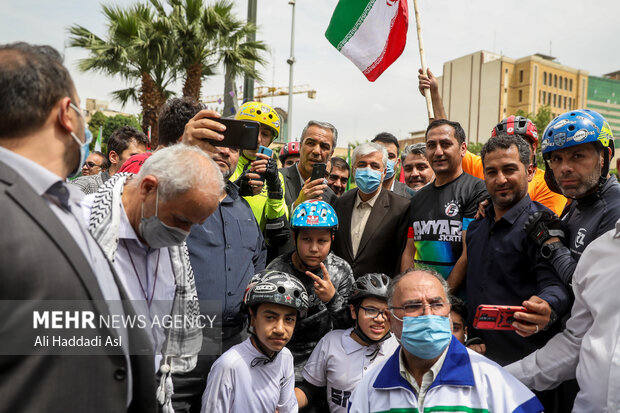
261,348
605,169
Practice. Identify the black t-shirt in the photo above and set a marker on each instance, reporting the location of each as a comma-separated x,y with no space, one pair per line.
439,215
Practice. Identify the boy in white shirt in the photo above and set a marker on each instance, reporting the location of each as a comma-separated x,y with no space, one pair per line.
343,357
257,375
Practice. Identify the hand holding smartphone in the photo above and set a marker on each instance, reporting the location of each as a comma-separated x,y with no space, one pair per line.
318,171
497,317
239,134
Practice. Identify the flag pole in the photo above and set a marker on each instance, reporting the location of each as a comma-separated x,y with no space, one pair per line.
427,92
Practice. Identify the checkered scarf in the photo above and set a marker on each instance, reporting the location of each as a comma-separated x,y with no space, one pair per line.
182,344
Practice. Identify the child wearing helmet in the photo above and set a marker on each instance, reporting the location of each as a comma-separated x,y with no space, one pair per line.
327,278
289,154
274,301
343,357
260,182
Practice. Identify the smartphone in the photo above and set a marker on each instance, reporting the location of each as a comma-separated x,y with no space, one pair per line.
496,317
265,150
318,171
240,134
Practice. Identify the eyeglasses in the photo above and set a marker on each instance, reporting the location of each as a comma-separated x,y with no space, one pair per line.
372,312
417,309
91,165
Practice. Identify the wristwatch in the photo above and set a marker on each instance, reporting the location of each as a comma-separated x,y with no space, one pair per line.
553,317
547,250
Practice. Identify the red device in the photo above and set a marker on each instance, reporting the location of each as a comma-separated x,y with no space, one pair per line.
497,317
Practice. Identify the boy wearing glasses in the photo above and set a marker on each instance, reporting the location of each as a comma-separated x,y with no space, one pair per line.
343,357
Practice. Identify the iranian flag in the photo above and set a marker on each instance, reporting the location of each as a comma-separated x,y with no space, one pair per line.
370,33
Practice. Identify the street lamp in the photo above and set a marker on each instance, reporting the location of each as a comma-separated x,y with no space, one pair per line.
291,62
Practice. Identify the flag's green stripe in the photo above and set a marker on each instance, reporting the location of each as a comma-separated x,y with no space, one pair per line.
347,18
463,409
403,410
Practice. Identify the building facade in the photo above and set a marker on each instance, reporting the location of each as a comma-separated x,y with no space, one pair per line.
482,88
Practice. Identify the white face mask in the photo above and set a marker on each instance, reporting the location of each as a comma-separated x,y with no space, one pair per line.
157,234
85,146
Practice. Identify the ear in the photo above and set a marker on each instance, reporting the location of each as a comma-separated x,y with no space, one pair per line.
64,119
113,158
147,186
463,149
531,170
352,309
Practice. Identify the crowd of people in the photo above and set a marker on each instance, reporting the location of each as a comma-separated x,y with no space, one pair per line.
320,298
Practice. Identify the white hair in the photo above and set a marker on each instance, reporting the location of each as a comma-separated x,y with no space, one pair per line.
178,170
366,149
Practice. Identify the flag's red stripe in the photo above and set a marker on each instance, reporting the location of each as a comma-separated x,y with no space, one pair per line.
395,44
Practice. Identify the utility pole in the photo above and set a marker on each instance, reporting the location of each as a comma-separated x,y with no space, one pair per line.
291,62
248,82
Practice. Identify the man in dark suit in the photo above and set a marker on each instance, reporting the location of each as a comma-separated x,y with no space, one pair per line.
46,253
373,220
318,140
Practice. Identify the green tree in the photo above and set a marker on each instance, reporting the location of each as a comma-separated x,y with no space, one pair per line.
112,123
475,147
195,29
138,49
96,121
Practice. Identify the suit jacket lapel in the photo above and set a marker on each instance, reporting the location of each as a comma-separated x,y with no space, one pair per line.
40,212
375,220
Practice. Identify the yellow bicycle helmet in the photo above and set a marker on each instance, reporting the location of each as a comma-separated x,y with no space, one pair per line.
262,113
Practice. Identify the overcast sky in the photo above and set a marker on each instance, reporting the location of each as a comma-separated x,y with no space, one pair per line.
580,34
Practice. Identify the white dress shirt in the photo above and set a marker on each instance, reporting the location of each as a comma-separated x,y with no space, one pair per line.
589,347
148,280
359,218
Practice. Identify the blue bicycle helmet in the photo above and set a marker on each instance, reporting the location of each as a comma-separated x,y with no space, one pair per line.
314,214
576,128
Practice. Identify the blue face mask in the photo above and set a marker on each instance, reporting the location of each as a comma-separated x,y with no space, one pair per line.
367,180
426,336
389,170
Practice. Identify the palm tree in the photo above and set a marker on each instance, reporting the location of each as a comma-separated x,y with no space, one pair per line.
239,57
195,56
138,49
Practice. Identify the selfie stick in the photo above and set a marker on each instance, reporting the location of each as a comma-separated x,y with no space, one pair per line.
427,92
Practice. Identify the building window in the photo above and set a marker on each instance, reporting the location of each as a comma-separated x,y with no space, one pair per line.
544,97
571,85
564,102
570,103
544,78
520,96
555,80
549,99
560,82
521,76
505,70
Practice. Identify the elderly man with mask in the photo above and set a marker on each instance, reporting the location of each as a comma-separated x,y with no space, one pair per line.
432,368
141,223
